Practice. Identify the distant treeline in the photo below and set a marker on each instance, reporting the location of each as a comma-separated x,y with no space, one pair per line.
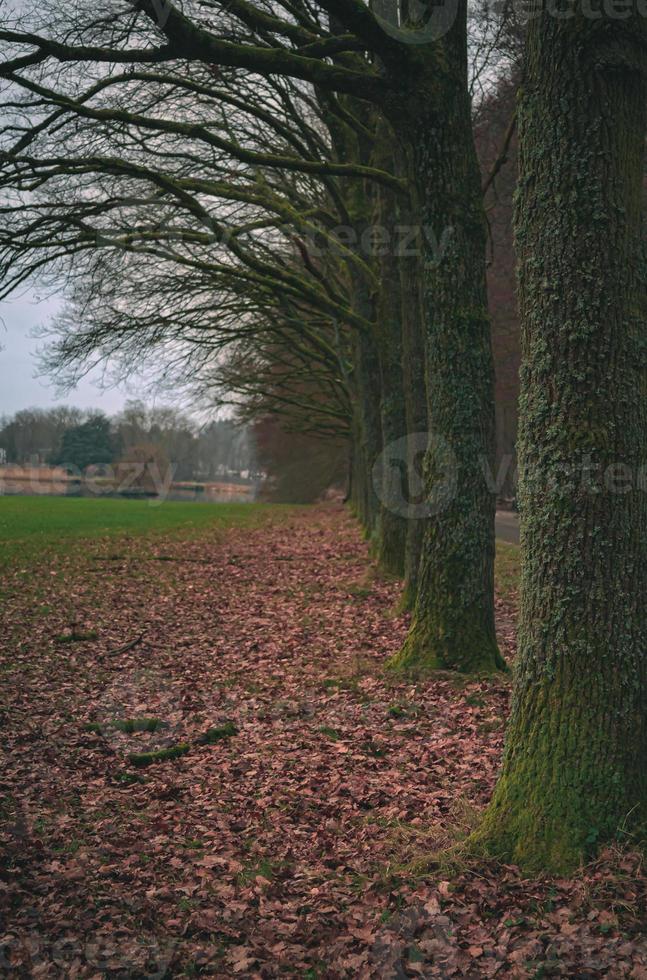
77,438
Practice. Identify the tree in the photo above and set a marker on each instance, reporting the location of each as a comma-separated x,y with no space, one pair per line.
36,433
167,429
87,444
144,470
495,133
574,771
298,467
225,450
228,314
414,74
453,619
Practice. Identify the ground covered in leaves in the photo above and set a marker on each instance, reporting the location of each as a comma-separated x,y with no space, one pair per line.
208,772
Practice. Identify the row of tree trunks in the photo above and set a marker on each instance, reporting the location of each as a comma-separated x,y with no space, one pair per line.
574,769
429,374
433,307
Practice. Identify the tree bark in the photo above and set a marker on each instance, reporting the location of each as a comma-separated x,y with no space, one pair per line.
390,476
368,400
574,771
453,622
415,395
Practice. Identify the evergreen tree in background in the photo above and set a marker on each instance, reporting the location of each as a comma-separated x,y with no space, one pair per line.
88,444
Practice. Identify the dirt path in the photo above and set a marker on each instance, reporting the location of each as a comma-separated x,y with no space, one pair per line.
282,848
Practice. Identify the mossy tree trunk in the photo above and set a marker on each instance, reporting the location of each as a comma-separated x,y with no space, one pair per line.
575,765
453,622
427,104
415,393
390,476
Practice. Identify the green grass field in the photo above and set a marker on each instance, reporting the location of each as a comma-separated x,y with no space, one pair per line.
32,526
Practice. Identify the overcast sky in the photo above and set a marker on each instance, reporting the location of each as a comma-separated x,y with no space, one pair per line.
20,385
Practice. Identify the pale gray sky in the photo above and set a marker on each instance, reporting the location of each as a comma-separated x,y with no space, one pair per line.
20,385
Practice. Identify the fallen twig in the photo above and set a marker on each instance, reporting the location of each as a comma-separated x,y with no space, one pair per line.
127,646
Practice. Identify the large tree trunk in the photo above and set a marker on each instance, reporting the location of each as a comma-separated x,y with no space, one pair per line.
575,765
453,623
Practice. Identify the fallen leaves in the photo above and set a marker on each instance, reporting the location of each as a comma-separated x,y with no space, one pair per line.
282,842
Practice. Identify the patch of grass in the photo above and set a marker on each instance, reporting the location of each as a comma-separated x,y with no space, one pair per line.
76,637
128,726
265,868
374,749
357,591
141,759
233,680
401,710
475,700
490,725
213,735
342,683
186,904
417,849
507,569
397,711
29,526
128,778
358,881
70,847
316,971
9,666
331,733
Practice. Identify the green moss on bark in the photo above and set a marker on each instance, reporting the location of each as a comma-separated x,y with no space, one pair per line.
574,771
453,623
469,649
